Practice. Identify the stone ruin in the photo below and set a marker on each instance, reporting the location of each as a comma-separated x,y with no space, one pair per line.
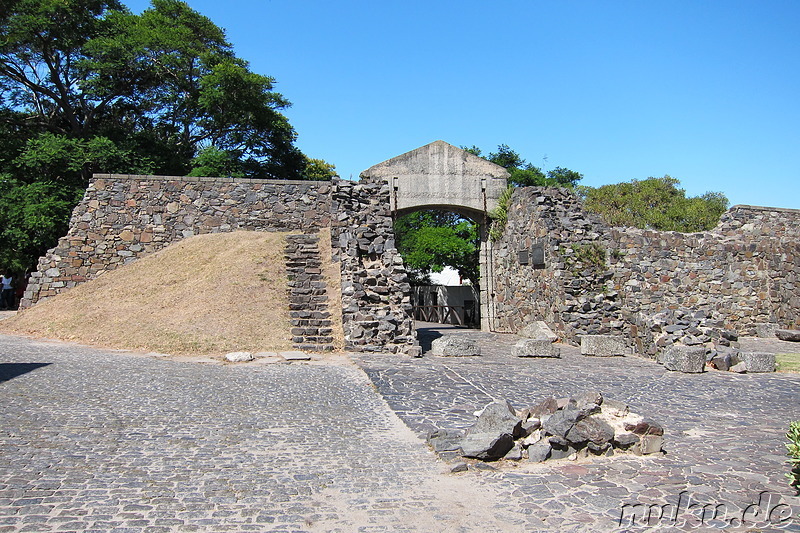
581,426
553,262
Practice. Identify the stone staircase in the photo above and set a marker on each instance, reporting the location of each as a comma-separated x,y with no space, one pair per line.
308,300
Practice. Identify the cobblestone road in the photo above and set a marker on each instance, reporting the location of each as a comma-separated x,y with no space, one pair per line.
94,440
103,441
725,434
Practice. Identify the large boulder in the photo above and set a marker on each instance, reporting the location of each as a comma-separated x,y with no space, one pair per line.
792,335
455,346
758,361
536,348
497,417
688,359
603,345
538,330
486,446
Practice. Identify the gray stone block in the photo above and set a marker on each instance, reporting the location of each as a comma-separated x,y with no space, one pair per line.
539,452
538,330
603,345
688,359
766,330
758,361
536,348
455,346
792,335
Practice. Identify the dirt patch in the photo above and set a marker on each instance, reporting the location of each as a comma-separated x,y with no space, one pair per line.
209,294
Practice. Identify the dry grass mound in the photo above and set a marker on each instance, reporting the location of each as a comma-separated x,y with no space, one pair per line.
209,294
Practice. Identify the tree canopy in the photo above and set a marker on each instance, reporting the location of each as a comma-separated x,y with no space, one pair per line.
86,86
430,240
655,203
523,173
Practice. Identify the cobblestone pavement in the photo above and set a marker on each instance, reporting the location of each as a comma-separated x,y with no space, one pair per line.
94,440
725,435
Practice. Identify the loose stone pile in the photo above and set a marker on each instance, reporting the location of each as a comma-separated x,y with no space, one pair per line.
566,428
692,340
689,327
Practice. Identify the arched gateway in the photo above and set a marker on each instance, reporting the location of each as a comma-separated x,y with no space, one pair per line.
442,176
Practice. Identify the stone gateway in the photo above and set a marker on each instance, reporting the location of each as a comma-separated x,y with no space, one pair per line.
586,279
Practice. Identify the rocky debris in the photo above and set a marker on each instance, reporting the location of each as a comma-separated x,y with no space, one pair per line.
603,345
239,357
792,335
536,348
455,346
580,426
687,359
688,327
538,330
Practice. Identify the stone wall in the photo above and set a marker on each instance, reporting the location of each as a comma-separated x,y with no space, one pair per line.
312,326
122,218
568,290
376,294
597,279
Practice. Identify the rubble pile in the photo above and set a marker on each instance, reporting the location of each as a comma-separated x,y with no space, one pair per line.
566,428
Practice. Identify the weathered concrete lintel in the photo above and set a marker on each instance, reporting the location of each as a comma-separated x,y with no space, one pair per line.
440,174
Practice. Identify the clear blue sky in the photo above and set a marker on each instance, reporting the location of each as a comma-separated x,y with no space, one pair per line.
705,91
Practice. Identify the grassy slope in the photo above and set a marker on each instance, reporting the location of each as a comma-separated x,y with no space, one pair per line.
209,294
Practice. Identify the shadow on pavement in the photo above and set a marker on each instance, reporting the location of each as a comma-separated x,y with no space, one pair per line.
10,371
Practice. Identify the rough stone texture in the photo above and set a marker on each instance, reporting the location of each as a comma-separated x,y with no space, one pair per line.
536,348
766,331
376,294
724,440
792,335
688,359
308,295
239,357
603,345
122,218
497,417
599,280
454,346
758,361
102,441
538,330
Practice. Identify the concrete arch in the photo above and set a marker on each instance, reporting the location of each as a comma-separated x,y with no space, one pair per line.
442,176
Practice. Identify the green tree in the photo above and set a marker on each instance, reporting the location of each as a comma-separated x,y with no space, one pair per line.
522,173
429,240
655,203
86,86
319,170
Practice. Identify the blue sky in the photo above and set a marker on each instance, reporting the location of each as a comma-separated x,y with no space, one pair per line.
705,91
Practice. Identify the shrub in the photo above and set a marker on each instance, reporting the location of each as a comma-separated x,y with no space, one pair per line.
793,449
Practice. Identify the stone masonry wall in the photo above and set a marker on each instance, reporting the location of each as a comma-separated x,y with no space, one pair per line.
122,218
312,327
746,270
570,291
376,294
